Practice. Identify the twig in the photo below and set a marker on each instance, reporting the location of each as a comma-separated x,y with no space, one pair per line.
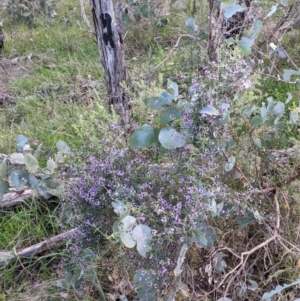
262,191
236,167
54,242
281,239
277,210
84,18
278,25
244,256
168,55
243,259
12,198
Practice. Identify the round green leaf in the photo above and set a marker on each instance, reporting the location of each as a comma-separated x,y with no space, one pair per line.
174,87
170,138
245,44
127,240
120,208
74,278
294,117
184,104
21,142
3,168
169,115
51,165
190,24
270,121
288,73
230,164
231,10
126,237
144,277
255,29
257,142
245,221
18,178
199,238
207,231
31,163
263,111
128,222
210,110
272,11
280,126
37,152
143,236
248,111
34,183
63,147
257,121
144,137
3,188
279,108
157,103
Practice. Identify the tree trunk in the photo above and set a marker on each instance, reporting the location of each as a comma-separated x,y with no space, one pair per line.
110,43
215,31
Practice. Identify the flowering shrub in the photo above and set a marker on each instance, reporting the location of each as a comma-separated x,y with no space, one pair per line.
168,198
178,220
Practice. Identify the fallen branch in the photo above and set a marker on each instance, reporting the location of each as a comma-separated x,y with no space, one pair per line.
12,198
245,255
47,245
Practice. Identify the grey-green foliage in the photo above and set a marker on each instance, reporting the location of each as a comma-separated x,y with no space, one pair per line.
147,283
279,288
84,270
137,9
168,105
26,11
21,170
130,233
273,117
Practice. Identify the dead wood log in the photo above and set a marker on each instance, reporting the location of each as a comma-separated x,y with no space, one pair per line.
46,245
12,198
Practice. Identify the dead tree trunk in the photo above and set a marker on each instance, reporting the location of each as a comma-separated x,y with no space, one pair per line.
110,43
215,31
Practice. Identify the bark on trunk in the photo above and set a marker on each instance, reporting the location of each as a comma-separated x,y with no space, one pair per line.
110,43
215,31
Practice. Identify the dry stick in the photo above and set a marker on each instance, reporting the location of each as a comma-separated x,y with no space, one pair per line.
281,240
279,24
12,198
266,190
272,34
20,261
54,242
84,18
283,19
168,55
248,253
237,167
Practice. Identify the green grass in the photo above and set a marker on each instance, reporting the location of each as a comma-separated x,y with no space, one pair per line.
62,55
27,224
54,63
